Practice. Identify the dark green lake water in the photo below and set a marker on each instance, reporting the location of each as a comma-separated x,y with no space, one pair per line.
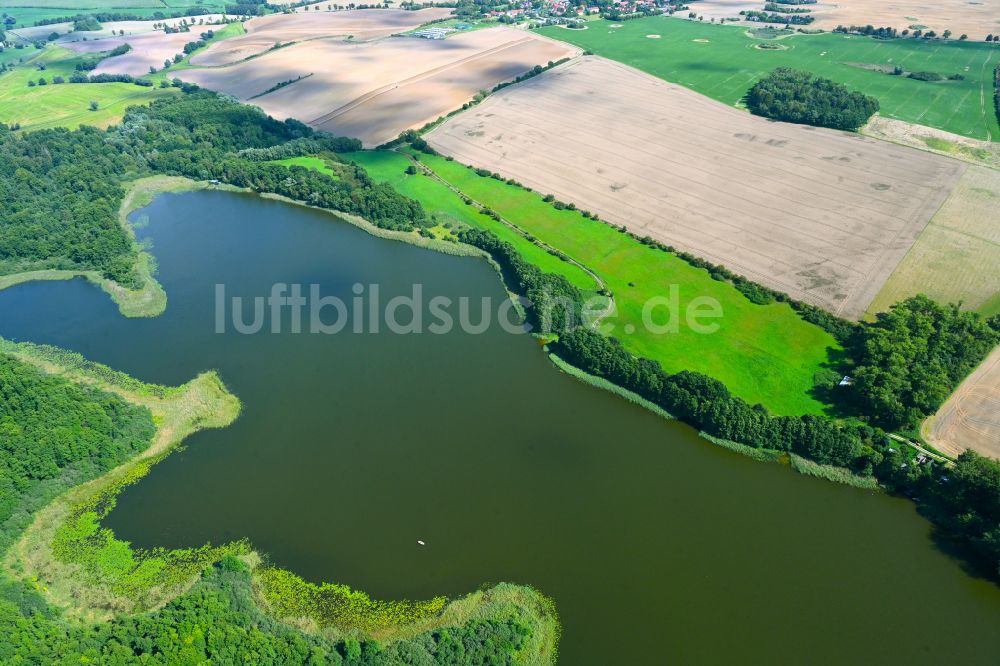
657,546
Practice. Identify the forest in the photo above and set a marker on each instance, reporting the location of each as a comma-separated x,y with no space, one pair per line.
63,188
800,97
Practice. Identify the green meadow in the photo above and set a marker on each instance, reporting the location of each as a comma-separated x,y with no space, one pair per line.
65,104
723,62
763,353
448,208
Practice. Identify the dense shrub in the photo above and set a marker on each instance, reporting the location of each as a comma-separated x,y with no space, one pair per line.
799,97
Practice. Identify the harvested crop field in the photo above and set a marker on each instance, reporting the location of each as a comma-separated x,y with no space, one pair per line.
824,216
970,419
362,24
976,19
149,49
957,257
375,90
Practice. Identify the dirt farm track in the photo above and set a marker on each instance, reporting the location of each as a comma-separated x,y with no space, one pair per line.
822,215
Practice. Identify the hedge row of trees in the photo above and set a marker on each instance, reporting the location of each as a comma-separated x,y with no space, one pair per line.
62,189
55,434
555,305
963,502
799,97
996,91
772,17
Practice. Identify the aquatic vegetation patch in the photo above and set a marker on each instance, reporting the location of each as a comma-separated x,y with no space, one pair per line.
332,605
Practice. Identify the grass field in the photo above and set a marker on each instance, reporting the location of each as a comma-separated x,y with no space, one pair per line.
763,353
724,64
449,208
14,56
66,104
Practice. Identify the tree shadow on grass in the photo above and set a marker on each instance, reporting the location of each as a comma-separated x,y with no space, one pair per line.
837,399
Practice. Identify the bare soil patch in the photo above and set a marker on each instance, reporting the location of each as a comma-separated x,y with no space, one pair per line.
361,24
970,419
822,215
375,90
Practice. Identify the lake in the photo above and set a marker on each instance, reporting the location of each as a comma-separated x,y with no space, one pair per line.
657,546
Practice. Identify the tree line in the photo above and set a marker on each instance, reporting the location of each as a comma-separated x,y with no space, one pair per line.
556,305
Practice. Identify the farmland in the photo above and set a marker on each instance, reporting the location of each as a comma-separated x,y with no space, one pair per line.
957,256
722,62
375,90
449,208
970,419
824,216
148,50
66,104
266,31
763,353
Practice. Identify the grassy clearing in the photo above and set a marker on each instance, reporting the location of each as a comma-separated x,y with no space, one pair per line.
726,65
450,211
763,353
65,104
313,163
